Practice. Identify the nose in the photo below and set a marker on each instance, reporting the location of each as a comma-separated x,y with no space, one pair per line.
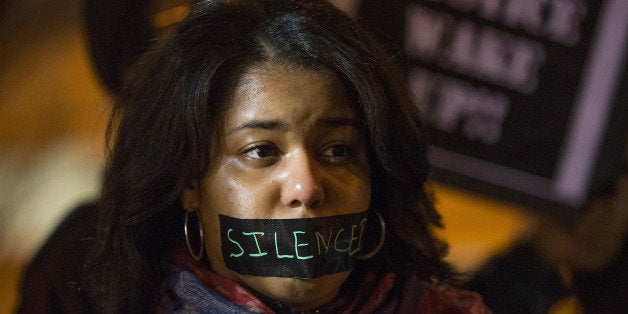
302,186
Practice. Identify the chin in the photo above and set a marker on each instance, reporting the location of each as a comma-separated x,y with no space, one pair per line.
303,294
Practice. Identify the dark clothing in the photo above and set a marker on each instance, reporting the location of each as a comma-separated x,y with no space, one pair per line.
521,282
192,287
605,291
518,282
52,281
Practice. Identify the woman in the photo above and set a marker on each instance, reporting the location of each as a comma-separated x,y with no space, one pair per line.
272,139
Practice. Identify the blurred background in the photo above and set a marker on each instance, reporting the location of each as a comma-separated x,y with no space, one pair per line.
52,118
53,112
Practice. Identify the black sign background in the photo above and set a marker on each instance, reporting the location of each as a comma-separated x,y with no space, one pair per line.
520,97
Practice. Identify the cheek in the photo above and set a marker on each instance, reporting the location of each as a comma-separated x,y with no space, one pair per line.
356,182
224,193
233,193
353,189
363,193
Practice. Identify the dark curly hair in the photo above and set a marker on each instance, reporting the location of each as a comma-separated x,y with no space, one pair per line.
163,127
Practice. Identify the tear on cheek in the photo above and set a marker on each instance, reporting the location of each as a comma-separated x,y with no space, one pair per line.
304,248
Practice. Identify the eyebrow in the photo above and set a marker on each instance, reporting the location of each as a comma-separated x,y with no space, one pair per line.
261,124
339,122
278,125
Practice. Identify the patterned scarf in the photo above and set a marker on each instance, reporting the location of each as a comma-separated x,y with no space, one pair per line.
191,287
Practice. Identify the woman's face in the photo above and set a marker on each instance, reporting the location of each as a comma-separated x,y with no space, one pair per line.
290,148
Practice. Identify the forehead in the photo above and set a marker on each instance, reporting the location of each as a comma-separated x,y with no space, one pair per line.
287,91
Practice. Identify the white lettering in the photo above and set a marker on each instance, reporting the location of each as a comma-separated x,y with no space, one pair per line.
557,20
564,24
477,51
495,56
425,30
526,15
478,113
420,85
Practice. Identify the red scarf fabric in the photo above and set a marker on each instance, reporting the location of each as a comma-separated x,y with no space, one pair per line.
374,293
225,287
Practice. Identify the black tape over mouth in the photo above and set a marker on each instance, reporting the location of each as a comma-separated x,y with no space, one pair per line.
303,248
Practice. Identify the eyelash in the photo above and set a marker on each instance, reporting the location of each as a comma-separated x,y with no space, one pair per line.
272,153
345,153
257,148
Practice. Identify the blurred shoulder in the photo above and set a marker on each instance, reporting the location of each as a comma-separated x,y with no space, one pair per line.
52,281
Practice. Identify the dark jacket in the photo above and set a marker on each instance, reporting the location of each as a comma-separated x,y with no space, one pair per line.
52,282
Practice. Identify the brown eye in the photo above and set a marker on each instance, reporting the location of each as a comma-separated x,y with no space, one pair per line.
336,153
261,151
339,150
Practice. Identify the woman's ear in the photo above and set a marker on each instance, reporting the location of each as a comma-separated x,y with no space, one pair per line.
191,198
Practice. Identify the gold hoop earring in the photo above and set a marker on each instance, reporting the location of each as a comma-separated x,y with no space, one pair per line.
198,256
382,238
